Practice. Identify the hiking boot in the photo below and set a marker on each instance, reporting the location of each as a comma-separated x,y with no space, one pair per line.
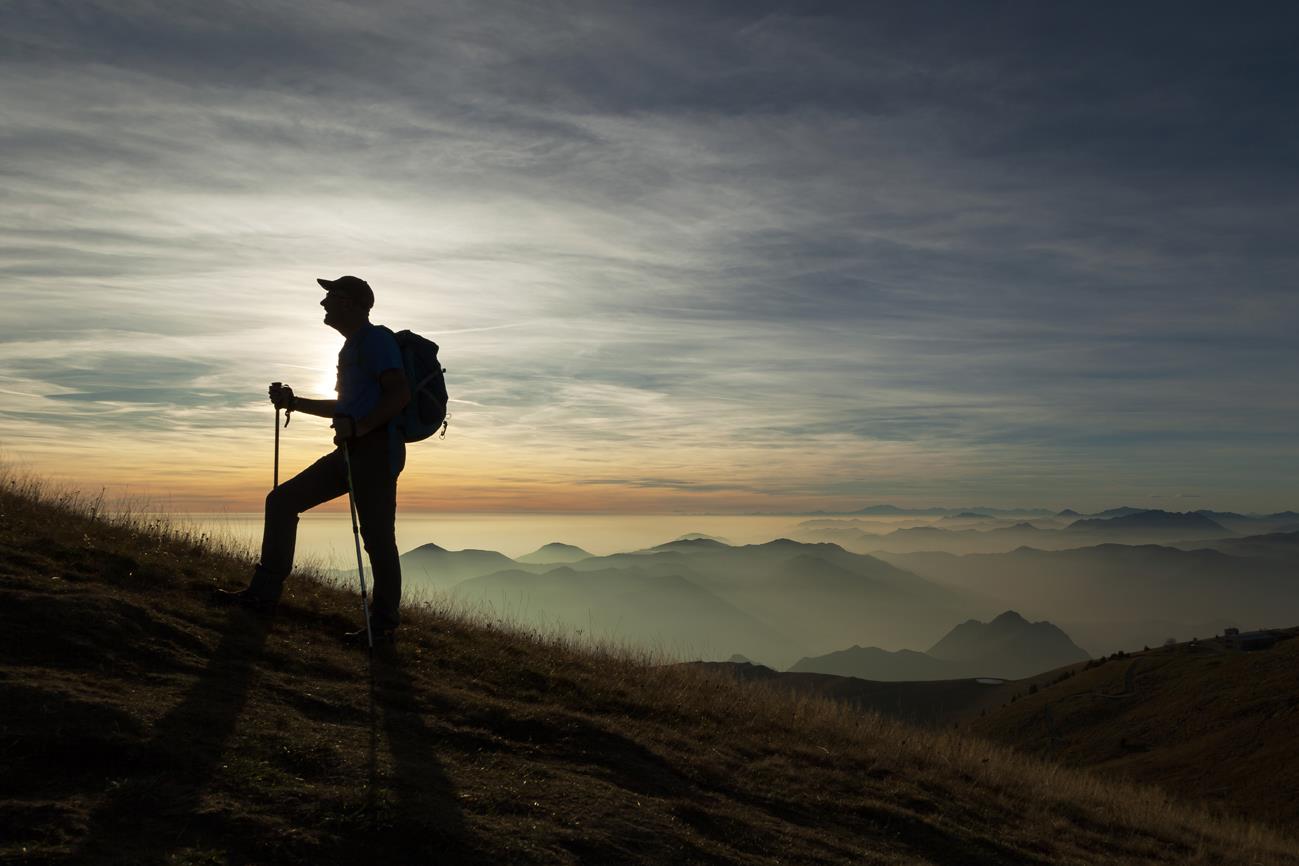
247,599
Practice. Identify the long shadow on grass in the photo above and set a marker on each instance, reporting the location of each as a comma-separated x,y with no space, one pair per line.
415,813
151,810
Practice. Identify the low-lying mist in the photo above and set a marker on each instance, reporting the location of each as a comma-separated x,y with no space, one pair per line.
780,590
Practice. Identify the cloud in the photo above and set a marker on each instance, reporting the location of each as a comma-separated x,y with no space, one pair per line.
677,485
734,230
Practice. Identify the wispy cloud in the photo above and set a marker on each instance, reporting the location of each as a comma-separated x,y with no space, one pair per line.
937,252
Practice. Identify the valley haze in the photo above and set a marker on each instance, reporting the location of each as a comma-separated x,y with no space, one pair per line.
778,590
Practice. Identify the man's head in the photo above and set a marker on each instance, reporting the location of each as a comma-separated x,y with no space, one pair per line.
347,303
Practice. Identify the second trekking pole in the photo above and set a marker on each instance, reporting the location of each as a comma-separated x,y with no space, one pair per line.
276,479
356,536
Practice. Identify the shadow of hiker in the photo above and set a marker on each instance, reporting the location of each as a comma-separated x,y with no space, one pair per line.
414,811
145,815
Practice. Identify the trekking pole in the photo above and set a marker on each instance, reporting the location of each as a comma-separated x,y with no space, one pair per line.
356,536
277,441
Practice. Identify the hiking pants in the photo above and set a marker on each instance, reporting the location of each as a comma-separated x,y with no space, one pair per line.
375,487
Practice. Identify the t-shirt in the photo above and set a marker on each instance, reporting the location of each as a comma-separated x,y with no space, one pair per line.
365,356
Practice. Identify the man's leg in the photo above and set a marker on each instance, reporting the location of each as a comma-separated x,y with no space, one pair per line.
376,507
322,481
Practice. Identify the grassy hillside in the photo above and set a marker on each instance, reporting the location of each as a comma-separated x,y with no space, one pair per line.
931,703
144,725
1200,719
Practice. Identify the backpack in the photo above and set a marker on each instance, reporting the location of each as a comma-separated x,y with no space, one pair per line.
427,409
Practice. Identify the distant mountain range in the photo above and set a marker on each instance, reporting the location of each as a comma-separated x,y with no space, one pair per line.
1120,584
982,511
1274,545
1121,511
697,596
439,568
626,604
699,536
1179,523
554,553
967,535
787,600
895,511
1009,647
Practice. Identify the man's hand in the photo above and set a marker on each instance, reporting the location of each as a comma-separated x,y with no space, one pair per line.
344,428
282,396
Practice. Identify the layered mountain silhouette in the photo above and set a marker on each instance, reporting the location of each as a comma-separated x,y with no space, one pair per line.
1121,511
1181,524
701,597
915,539
822,594
701,536
1009,647
669,613
1273,545
965,517
787,600
963,533
1112,587
436,567
554,553
896,511
690,545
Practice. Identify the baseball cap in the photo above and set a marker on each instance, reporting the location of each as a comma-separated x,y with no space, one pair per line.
352,287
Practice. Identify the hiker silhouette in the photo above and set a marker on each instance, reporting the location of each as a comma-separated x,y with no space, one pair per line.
371,390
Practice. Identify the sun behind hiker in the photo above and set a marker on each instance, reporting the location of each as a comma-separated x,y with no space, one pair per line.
372,391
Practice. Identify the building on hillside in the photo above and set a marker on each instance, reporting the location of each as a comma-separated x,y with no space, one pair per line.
1250,640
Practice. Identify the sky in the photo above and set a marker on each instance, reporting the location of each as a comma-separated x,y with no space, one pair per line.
680,257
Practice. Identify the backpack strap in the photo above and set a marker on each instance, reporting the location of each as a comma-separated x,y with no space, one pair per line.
360,356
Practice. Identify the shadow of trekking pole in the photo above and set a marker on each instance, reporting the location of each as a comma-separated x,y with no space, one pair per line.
413,809
372,767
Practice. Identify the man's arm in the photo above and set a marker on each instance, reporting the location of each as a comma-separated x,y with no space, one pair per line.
319,408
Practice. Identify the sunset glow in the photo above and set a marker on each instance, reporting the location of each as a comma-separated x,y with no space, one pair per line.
764,261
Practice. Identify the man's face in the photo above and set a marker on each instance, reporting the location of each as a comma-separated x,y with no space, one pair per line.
337,307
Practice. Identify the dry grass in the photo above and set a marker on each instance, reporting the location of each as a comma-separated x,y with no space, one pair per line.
150,726
1200,720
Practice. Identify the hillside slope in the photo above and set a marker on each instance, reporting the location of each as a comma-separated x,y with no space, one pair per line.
1200,718
144,725
931,703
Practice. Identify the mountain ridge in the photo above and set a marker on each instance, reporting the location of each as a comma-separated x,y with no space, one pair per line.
1007,647
553,552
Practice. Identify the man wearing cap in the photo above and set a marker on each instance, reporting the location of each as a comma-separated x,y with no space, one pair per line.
372,390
